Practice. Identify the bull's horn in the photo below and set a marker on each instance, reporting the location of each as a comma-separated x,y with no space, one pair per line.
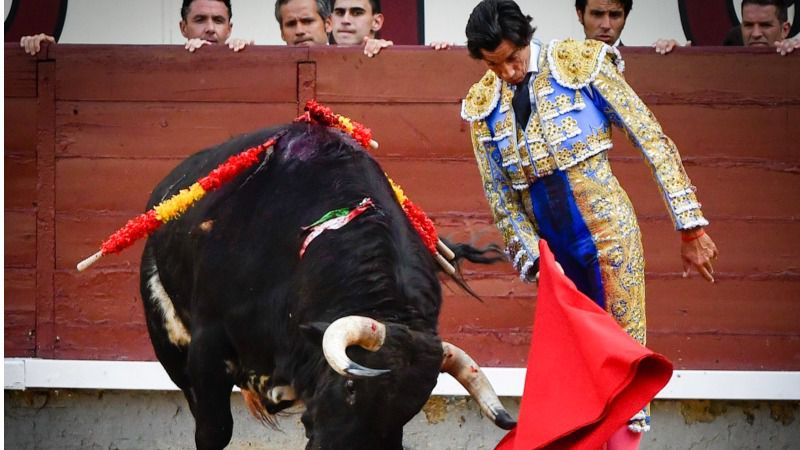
352,330
458,363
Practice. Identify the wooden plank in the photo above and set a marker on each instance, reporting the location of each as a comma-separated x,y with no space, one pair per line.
402,75
100,315
169,73
730,307
20,182
306,84
19,72
160,129
20,125
107,341
741,133
100,297
726,352
45,213
703,76
737,192
20,239
19,312
119,185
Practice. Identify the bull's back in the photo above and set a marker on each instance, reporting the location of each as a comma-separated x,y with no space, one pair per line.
241,243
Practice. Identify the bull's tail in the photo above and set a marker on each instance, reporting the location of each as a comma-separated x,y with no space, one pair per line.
255,404
487,255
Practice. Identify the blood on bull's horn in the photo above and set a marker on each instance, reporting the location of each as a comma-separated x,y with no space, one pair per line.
466,371
352,330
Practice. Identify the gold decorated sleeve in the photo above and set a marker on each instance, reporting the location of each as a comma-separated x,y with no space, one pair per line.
518,232
629,112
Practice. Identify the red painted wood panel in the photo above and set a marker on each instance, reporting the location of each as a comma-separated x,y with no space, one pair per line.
19,312
19,73
712,76
122,117
160,129
402,75
20,239
19,182
170,73
20,116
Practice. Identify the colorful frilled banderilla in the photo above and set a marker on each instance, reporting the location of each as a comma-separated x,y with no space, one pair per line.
173,207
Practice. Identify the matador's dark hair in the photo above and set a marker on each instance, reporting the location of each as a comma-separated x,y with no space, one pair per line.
493,21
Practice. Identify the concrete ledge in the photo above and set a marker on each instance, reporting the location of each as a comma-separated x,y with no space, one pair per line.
31,373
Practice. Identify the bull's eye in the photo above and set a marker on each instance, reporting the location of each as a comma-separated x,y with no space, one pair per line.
350,387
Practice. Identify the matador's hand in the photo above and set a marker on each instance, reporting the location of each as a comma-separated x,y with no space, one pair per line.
697,252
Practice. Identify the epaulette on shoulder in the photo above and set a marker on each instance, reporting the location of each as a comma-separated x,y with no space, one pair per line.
575,64
482,98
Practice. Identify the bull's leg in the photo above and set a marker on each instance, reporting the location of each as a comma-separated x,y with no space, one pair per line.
168,334
211,386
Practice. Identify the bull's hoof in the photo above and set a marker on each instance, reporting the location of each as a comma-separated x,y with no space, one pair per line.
505,421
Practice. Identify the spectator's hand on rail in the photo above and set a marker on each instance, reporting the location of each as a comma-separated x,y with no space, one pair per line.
373,46
787,46
237,44
664,46
441,45
32,44
697,252
195,43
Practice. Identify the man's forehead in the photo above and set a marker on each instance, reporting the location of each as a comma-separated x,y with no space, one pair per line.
300,8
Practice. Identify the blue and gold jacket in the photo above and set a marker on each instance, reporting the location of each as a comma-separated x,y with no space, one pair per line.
577,94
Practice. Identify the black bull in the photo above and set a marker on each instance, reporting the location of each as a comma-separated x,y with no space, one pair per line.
229,301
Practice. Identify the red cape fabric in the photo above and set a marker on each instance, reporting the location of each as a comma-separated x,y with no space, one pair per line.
586,377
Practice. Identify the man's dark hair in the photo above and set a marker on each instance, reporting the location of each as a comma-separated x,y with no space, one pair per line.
188,3
323,9
580,5
375,4
780,7
493,21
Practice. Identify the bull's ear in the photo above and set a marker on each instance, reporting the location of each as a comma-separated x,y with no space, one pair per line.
313,331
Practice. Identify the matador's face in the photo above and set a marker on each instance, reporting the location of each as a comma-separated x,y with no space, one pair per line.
508,61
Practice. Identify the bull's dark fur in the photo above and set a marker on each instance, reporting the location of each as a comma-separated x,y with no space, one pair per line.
253,307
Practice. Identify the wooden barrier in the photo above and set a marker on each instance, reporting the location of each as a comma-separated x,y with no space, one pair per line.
89,130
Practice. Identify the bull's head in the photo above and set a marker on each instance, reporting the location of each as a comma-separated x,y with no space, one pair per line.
364,407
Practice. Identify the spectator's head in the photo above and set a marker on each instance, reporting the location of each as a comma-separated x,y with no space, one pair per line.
209,20
764,22
500,35
304,22
353,20
603,20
